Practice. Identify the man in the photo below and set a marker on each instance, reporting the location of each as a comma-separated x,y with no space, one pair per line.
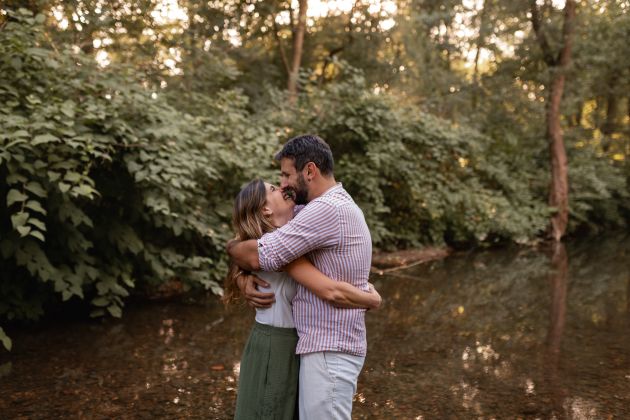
332,232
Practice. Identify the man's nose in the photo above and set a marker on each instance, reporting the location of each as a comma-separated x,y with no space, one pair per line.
283,184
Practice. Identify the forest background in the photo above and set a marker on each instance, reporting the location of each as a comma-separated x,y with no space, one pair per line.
127,127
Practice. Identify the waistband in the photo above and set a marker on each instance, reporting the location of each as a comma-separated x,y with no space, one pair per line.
271,330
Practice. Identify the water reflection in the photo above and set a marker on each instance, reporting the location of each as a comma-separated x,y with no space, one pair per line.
516,333
558,279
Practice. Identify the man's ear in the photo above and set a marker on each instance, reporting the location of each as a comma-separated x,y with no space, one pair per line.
311,170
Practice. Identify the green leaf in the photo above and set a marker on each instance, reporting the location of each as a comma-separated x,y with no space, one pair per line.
23,230
100,301
14,178
95,313
63,187
19,134
72,177
44,138
38,235
53,176
67,108
35,206
15,196
37,223
36,188
85,190
6,341
19,219
115,311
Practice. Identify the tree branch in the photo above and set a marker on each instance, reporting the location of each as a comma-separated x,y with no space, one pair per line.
283,53
548,55
568,28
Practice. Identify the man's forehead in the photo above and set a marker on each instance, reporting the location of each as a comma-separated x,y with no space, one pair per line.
287,164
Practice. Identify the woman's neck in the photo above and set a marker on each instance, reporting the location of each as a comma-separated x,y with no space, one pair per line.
280,220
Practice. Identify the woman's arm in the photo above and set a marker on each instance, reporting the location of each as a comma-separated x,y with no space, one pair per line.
337,293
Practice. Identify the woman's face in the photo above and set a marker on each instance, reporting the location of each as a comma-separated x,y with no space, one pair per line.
280,205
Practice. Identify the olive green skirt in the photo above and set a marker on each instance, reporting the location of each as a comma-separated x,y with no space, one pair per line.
268,382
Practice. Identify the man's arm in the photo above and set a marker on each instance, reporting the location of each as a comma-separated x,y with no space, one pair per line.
244,254
316,226
338,293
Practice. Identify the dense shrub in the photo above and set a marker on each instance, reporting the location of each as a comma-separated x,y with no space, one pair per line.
104,184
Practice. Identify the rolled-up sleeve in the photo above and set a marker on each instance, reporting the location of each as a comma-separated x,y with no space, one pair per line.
315,226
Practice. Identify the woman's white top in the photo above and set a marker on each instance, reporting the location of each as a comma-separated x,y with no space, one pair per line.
280,314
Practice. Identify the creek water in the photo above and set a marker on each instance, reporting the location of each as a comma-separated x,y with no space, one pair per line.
509,333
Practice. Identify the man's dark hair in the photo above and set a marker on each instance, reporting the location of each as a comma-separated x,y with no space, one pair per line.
308,148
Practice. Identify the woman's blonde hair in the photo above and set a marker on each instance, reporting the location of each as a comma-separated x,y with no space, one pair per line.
248,222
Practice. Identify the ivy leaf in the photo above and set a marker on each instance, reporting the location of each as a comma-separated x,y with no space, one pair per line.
15,196
38,235
14,178
6,341
95,313
100,301
67,108
65,295
36,188
35,206
63,187
84,190
44,138
115,311
53,176
19,219
24,230
72,177
37,223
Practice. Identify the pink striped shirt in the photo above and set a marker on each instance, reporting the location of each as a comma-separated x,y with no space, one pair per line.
332,232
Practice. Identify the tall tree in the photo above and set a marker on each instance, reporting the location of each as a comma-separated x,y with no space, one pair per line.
558,65
298,43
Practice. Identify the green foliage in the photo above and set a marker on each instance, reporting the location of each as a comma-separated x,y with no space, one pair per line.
599,195
105,185
6,341
420,179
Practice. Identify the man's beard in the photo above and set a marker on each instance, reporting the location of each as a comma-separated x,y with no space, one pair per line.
301,191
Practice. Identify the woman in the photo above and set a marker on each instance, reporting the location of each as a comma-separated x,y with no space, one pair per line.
269,366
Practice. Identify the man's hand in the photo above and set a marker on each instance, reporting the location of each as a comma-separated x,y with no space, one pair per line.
248,284
377,295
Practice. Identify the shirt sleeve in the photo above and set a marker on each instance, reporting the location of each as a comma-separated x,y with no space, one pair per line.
315,226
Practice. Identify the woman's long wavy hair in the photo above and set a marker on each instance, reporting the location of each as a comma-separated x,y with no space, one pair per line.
248,222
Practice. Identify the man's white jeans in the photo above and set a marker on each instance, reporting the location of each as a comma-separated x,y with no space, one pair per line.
328,381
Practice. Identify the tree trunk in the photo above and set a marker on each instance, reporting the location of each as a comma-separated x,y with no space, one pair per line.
298,43
480,44
559,188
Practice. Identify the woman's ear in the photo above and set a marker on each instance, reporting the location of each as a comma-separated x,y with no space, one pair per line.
266,211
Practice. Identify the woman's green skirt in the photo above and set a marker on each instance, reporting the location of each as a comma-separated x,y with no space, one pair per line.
268,382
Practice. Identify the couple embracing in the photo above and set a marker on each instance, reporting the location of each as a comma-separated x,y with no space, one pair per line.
302,258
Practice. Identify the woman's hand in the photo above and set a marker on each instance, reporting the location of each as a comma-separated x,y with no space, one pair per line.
248,283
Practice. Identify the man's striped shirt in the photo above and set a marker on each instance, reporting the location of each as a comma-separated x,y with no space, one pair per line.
331,231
